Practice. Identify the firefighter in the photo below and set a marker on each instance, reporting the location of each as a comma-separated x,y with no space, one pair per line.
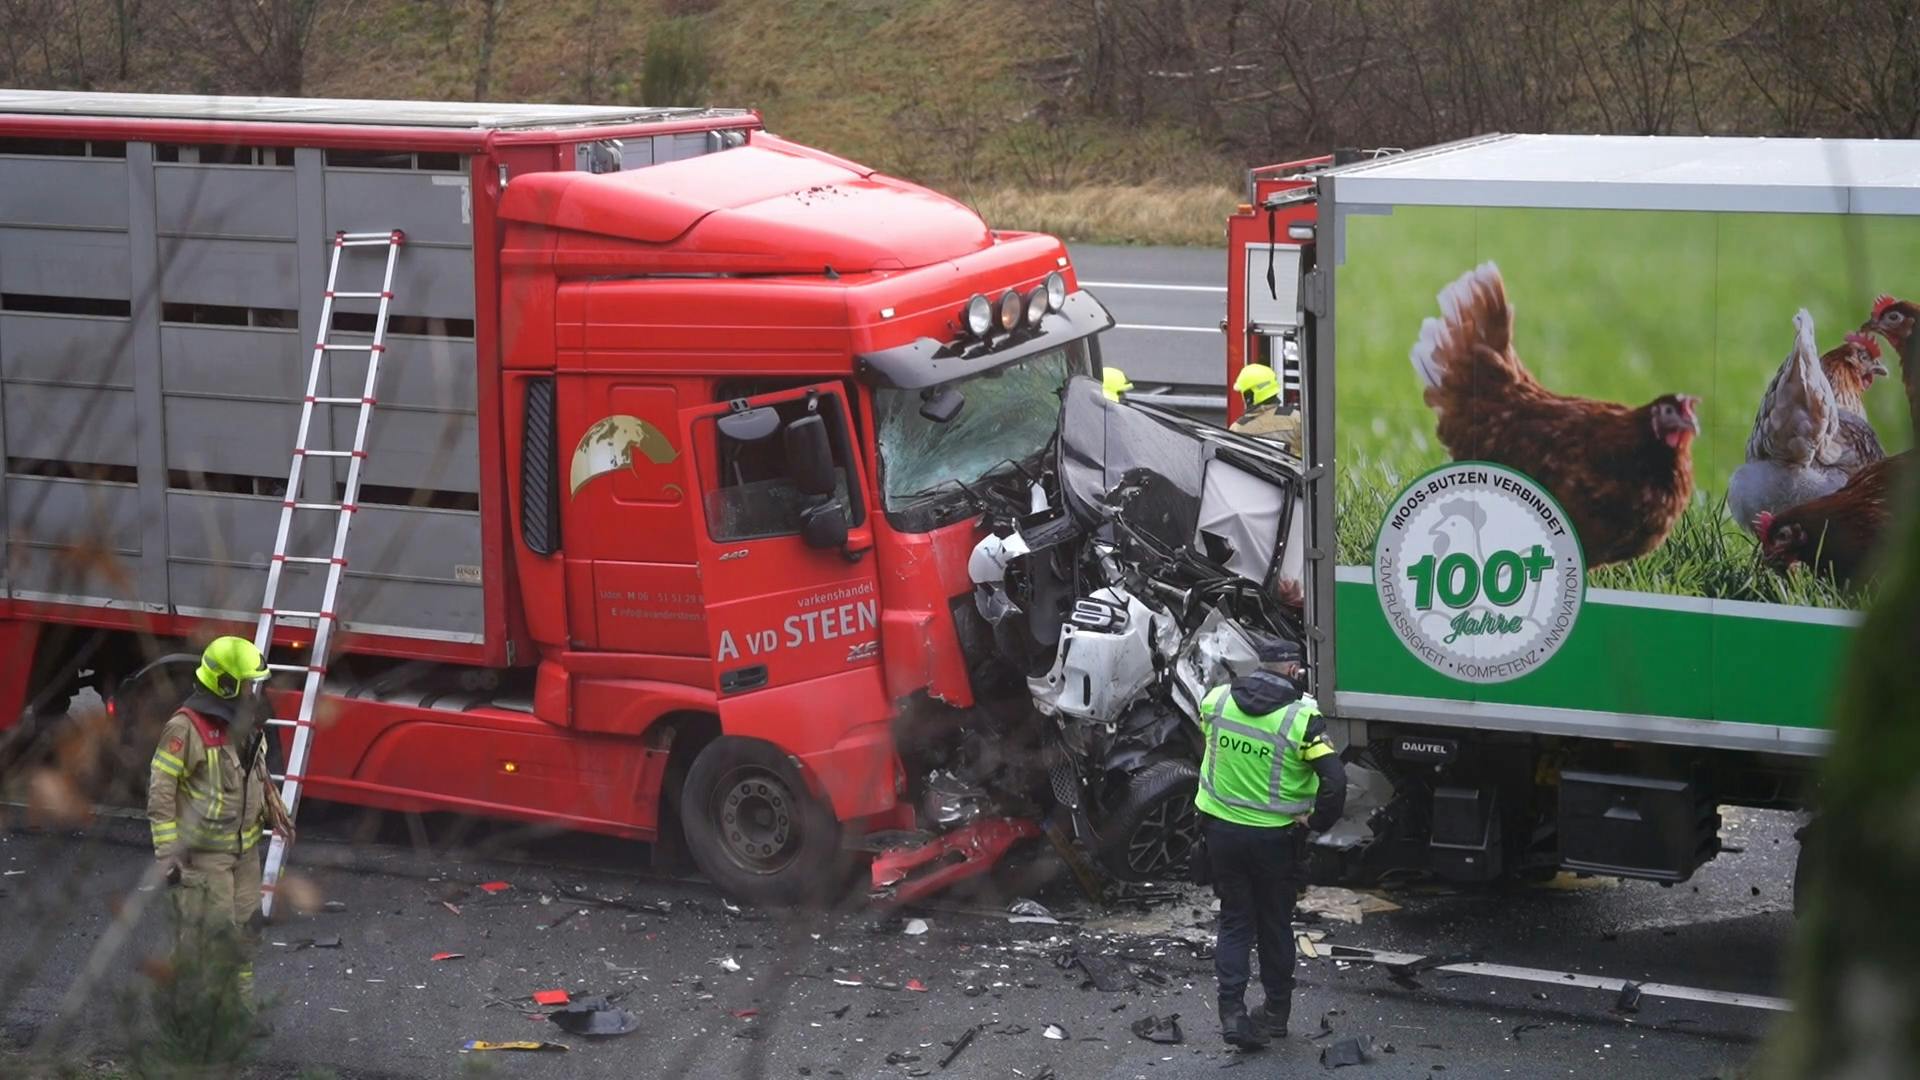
207,800
1114,382
1269,776
1266,416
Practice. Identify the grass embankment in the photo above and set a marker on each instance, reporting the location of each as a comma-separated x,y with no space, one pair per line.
893,85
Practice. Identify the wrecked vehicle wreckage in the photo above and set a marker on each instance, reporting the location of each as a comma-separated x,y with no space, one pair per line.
1140,561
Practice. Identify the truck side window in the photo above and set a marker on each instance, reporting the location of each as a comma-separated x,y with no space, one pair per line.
753,498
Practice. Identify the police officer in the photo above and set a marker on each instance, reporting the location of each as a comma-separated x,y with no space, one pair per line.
1266,417
208,798
1268,777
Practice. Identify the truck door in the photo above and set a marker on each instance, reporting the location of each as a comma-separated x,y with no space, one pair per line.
783,537
1275,333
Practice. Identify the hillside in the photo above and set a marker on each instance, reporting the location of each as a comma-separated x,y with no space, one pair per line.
1127,120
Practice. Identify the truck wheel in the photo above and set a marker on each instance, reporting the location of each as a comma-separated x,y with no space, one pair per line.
755,829
1150,834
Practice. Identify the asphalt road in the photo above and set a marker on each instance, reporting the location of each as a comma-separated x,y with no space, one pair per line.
1168,304
378,1005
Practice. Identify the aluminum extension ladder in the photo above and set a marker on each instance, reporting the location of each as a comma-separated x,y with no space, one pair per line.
325,620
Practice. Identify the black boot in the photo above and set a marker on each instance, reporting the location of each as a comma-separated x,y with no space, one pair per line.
1238,1029
1272,1018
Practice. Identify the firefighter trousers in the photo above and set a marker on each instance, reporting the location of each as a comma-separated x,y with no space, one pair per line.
216,904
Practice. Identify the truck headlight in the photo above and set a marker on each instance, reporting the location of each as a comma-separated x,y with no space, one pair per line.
1010,308
1056,291
1036,307
979,315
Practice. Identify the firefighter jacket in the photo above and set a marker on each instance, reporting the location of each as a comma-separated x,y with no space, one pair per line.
1273,422
1268,761
199,795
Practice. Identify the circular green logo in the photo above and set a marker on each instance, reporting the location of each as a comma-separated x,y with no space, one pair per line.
1479,572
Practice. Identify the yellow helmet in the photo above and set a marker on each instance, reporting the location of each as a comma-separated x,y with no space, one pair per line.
228,662
1114,382
1256,383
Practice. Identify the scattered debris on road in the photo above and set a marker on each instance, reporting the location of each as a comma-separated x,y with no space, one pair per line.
915,927
1629,999
1055,1032
448,956
550,997
959,1044
493,887
1347,1051
1344,905
729,964
473,1045
1159,1029
595,1016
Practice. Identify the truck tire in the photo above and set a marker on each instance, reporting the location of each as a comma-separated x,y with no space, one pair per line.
1149,835
756,831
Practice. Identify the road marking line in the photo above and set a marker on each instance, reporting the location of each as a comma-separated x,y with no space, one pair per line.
1144,285
1175,329
1568,978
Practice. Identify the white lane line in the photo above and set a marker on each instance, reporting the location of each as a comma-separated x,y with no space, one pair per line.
1565,978
1170,329
1149,285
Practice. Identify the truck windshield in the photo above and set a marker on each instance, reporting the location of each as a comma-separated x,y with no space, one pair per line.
1011,413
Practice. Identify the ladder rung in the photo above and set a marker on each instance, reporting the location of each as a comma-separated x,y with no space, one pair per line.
345,508
391,236
303,452
281,778
285,613
310,560
325,347
279,721
359,296
338,401
304,668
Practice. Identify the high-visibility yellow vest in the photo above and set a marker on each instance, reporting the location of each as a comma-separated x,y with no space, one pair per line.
1256,770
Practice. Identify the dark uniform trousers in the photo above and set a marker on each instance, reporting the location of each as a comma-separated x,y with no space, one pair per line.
1257,873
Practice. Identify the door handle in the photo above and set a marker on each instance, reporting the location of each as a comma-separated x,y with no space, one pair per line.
740,680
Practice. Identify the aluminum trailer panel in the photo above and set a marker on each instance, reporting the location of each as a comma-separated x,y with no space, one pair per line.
159,301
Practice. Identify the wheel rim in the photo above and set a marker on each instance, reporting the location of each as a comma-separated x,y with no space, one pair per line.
756,815
1164,839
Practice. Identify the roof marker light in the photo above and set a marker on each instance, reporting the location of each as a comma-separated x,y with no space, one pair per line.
1009,312
979,315
1056,291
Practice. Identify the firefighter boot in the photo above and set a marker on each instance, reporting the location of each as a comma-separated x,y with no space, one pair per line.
1272,1018
1238,1029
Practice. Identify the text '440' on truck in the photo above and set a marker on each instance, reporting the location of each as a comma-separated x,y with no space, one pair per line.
669,496
1604,435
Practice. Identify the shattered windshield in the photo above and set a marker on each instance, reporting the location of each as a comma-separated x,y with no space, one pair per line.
1010,415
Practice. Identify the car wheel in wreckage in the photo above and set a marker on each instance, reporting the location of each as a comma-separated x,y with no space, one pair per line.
1149,831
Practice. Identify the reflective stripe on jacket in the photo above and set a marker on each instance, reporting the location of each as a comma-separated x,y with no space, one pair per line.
1256,769
198,796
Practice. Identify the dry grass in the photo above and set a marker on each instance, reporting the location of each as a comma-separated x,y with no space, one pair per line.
1194,215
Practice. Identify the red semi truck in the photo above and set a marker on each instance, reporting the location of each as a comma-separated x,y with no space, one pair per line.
670,491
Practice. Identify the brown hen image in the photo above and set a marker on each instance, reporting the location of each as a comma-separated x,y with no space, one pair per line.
1623,473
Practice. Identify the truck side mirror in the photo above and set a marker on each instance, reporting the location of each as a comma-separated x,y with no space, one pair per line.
749,425
824,525
942,405
810,457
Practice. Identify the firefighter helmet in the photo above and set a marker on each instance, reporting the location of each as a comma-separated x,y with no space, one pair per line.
227,663
1256,383
1114,382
